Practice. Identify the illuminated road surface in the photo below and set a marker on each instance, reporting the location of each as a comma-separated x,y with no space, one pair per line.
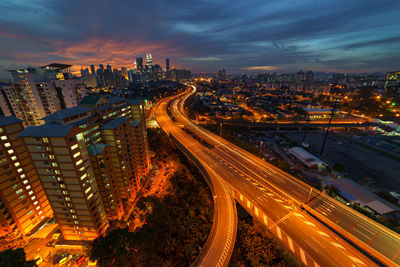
252,176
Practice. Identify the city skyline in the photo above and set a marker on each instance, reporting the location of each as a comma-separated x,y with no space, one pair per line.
205,36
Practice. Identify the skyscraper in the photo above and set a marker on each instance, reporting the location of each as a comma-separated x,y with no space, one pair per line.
149,61
167,64
139,64
92,69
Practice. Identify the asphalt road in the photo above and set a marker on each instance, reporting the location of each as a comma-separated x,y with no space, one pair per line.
318,241
221,240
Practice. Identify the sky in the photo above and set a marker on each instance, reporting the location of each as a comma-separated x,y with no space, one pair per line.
204,35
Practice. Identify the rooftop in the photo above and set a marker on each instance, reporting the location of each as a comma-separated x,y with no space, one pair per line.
9,120
56,66
115,99
114,123
47,130
90,100
68,112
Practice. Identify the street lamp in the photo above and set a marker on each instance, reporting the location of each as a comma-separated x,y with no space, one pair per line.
261,143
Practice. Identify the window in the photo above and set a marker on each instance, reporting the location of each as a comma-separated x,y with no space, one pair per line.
21,196
25,181
57,171
30,193
45,140
14,158
4,137
28,187
54,164
77,154
7,144
74,146
33,198
51,157
10,151
30,212
23,176
35,203
15,186
19,170
19,191
39,147
78,162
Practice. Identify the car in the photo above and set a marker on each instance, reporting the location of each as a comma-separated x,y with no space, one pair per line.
80,260
57,259
38,259
56,235
65,259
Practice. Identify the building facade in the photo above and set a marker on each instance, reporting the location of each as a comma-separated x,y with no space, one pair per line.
24,205
92,160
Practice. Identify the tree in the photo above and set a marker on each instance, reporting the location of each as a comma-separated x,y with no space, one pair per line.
337,167
15,258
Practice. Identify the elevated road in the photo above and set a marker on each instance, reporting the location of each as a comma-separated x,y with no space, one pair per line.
221,240
263,184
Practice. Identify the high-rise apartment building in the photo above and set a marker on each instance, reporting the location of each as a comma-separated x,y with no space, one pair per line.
91,160
23,203
38,92
167,68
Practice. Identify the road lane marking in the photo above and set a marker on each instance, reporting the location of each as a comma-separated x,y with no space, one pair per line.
322,233
356,260
303,256
337,245
309,223
278,231
290,241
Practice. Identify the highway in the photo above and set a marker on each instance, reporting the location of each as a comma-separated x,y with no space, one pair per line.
254,177
221,240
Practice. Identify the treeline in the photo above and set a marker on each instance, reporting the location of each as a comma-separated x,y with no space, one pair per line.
175,229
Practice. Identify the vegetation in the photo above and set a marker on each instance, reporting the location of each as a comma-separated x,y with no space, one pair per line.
15,258
175,228
255,249
9,241
388,197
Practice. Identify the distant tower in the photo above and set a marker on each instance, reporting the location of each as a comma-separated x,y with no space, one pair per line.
149,60
167,64
139,63
92,69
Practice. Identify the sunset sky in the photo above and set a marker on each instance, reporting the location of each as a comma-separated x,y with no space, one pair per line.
207,35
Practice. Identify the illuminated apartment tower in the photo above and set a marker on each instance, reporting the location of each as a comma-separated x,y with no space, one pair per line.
61,158
23,204
94,160
38,92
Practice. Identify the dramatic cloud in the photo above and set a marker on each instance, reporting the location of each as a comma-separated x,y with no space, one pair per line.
204,35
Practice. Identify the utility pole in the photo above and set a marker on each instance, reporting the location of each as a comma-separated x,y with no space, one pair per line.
261,144
220,129
327,129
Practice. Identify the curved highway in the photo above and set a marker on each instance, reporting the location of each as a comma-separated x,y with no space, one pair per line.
221,240
277,197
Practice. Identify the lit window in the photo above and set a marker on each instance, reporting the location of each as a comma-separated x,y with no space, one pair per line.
19,191
76,222
54,164
74,146
78,162
39,147
87,190
90,196
82,168
16,164
51,157
23,176
14,158
40,212
7,144
83,176
37,208
19,170
67,199
74,216
21,196
30,212
15,186
57,171
77,154
4,137
25,181
45,140
28,187
62,185
72,211
35,203
30,193
33,198
10,151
